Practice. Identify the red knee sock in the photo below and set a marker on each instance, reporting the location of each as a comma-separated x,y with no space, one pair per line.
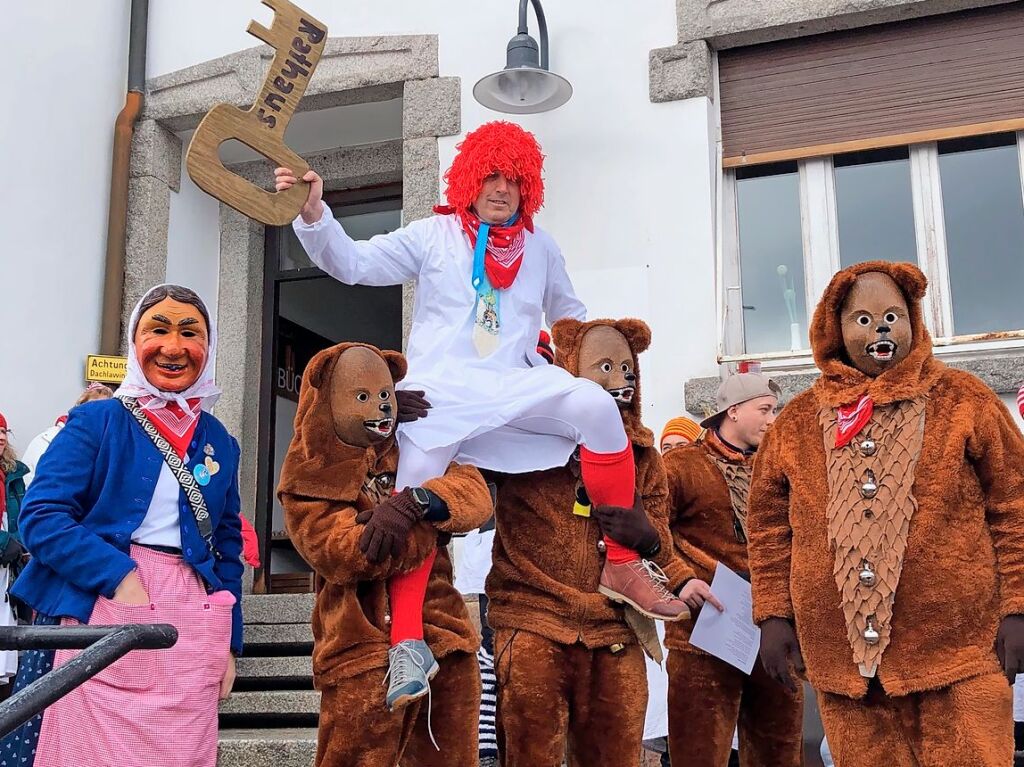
408,592
610,479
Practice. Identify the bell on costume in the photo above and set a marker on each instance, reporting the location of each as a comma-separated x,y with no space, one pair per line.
870,488
867,574
870,634
868,447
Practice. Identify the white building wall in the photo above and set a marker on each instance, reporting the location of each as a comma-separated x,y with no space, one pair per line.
628,181
193,240
55,147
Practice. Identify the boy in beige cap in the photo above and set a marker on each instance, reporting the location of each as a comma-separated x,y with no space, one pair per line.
708,486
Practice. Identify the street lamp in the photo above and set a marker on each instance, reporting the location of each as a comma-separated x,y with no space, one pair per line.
524,86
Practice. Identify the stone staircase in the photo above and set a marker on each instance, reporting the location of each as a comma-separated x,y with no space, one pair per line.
270,719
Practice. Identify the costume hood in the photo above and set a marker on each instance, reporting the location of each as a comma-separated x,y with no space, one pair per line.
841,383
568,335
318,464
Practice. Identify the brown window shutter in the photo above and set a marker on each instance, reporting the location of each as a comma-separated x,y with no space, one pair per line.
928,79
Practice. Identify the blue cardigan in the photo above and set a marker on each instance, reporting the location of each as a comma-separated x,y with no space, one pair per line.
91,491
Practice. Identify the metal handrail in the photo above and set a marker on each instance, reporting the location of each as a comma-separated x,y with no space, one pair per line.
100,645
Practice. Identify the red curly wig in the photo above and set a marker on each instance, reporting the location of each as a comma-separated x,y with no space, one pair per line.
497,146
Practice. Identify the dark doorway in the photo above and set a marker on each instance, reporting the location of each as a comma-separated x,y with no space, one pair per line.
306,311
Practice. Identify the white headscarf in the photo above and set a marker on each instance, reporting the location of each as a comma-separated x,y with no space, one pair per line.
136,385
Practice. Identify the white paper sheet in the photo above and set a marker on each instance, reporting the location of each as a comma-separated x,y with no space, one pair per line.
730,635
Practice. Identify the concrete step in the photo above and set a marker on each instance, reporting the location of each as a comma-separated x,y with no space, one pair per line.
288,667
263,635
272,703
277,608
285,747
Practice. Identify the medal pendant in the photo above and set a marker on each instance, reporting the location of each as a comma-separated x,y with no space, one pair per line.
487,323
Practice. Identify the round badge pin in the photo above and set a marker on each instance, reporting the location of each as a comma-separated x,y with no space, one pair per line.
202,474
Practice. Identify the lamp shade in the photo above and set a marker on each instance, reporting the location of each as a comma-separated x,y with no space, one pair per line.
525,85
522,90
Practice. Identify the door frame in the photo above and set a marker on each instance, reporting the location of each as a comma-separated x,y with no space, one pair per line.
341,203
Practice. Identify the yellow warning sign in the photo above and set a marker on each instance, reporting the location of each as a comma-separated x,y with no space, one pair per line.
105,369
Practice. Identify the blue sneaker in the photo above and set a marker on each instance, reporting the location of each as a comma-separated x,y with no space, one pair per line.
411,666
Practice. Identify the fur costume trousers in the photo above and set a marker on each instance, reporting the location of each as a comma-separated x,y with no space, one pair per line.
553,695
966,723
357,730
708,699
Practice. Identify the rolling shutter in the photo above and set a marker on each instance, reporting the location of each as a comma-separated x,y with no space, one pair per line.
927,79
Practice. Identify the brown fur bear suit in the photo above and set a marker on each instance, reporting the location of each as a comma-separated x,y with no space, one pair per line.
325,483
569,668
898,554
708,698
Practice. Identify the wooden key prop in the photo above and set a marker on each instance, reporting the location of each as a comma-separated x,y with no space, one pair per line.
299,40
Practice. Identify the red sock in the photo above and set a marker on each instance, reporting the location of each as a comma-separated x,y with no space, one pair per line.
610,479
408,592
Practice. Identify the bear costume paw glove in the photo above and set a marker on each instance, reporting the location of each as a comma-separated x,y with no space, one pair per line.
412,405
630,527
388,526
1010,646
779,648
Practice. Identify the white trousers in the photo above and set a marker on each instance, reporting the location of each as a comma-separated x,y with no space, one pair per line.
587,415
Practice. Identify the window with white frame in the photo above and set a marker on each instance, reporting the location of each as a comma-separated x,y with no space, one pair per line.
956,208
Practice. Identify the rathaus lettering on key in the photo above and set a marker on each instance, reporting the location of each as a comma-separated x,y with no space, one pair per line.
296,65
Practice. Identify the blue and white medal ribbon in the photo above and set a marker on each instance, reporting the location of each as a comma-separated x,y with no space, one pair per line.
487,311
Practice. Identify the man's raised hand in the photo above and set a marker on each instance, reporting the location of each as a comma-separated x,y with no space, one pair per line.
284,178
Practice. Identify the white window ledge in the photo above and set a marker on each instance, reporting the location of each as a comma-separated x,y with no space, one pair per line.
999,364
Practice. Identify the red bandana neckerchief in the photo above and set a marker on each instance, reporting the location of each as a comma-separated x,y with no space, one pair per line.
853,418
174,424
505,245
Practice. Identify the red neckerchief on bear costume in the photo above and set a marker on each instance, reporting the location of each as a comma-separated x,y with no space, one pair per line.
853,418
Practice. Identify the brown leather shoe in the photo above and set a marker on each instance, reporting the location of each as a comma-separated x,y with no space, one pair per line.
641,585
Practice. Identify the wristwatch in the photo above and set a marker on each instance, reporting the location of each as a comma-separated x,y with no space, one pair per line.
651,552
422,498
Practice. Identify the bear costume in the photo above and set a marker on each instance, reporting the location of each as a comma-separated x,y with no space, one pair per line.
887,523
708,699
569,667
336,485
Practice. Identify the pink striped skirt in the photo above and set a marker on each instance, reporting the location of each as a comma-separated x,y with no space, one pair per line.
151,707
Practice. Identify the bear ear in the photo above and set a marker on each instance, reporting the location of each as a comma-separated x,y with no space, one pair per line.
911,280
396,364
565,334
320,367
637,333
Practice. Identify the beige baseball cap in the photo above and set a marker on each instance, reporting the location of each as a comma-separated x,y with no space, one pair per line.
737,389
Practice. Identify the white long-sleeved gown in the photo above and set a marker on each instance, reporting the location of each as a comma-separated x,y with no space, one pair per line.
477,401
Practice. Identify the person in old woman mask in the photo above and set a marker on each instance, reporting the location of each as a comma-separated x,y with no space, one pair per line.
134,518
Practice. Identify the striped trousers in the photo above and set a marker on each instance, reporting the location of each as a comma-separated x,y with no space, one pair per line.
489,688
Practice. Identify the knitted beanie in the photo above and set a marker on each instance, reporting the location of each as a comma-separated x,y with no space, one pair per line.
682,427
